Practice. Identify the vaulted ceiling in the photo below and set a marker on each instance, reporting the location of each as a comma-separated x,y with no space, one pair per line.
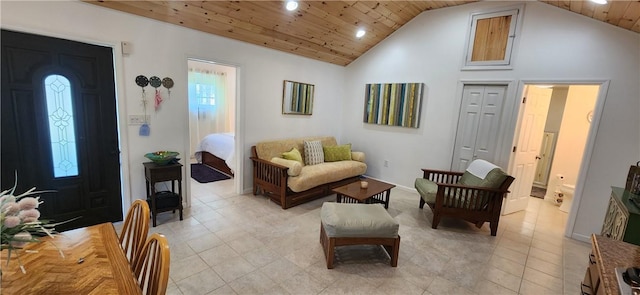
325,30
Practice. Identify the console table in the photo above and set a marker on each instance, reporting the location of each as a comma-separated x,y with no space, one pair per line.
165,200
606,255
622,221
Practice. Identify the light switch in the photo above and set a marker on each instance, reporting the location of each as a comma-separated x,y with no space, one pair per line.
138,119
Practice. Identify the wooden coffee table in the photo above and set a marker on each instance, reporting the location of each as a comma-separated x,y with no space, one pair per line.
376,192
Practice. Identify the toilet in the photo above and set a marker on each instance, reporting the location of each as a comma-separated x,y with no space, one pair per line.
567,191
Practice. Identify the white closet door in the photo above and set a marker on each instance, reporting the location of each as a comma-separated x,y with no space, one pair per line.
478,124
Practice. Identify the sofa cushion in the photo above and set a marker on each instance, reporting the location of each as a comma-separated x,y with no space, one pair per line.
293,154
313,153
337,153
294,166
323,173
357,220
358,156
266,150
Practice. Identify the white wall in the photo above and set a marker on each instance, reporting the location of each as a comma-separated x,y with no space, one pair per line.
162,49
554,45
556,109
572,135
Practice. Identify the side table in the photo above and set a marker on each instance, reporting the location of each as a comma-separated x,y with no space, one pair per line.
163,201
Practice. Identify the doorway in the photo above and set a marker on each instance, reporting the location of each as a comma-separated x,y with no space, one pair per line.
550,142
212,118
59,127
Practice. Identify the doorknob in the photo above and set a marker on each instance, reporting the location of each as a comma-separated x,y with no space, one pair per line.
538,158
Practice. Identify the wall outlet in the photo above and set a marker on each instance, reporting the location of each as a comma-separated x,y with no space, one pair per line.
138,119
386,163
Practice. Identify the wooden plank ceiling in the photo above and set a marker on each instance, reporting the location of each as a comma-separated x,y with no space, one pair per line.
325,30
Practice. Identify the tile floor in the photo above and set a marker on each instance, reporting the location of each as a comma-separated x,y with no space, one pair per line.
245,244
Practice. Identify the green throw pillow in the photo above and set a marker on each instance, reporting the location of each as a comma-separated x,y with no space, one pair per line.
337,153
293,154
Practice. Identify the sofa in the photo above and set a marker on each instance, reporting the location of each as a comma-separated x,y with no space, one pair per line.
282,173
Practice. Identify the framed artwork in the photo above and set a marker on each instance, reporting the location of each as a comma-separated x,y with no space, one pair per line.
297,98
393,104
633,179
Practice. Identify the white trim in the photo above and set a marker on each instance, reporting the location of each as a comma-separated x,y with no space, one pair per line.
238,178
517,12
582,238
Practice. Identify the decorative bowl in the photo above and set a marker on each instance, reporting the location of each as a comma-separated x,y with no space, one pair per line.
162,157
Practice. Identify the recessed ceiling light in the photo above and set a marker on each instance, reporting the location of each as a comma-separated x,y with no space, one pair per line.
360,33
601,2
292,5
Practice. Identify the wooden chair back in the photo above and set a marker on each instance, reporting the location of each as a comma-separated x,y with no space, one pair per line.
135,230
152,269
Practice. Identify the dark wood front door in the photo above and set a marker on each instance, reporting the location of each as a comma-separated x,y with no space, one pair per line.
61,91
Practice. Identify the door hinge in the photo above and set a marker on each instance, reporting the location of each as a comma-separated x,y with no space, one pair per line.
514,149
524,99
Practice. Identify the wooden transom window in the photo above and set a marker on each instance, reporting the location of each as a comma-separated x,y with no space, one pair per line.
491,39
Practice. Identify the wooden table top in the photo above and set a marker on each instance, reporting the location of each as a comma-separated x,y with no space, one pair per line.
354,191
105,269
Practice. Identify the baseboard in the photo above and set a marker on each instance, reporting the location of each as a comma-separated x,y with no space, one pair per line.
581,237
402,187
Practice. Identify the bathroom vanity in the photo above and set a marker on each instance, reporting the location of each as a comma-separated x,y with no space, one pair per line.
622,220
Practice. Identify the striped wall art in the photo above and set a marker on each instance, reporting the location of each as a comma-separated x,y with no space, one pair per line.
393,104
297,98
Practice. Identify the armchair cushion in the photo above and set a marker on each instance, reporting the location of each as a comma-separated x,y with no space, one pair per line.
427,190
493,179
484,174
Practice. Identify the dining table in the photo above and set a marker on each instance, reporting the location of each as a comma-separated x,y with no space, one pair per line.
86,260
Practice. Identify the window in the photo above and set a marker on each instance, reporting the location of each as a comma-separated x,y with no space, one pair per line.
205,94
491,39
61,126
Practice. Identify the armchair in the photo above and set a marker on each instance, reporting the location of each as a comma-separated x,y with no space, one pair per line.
474,195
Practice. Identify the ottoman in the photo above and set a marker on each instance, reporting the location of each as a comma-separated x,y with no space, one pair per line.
358,224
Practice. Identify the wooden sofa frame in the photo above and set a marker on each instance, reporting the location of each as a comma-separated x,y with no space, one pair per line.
270,179
481,204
